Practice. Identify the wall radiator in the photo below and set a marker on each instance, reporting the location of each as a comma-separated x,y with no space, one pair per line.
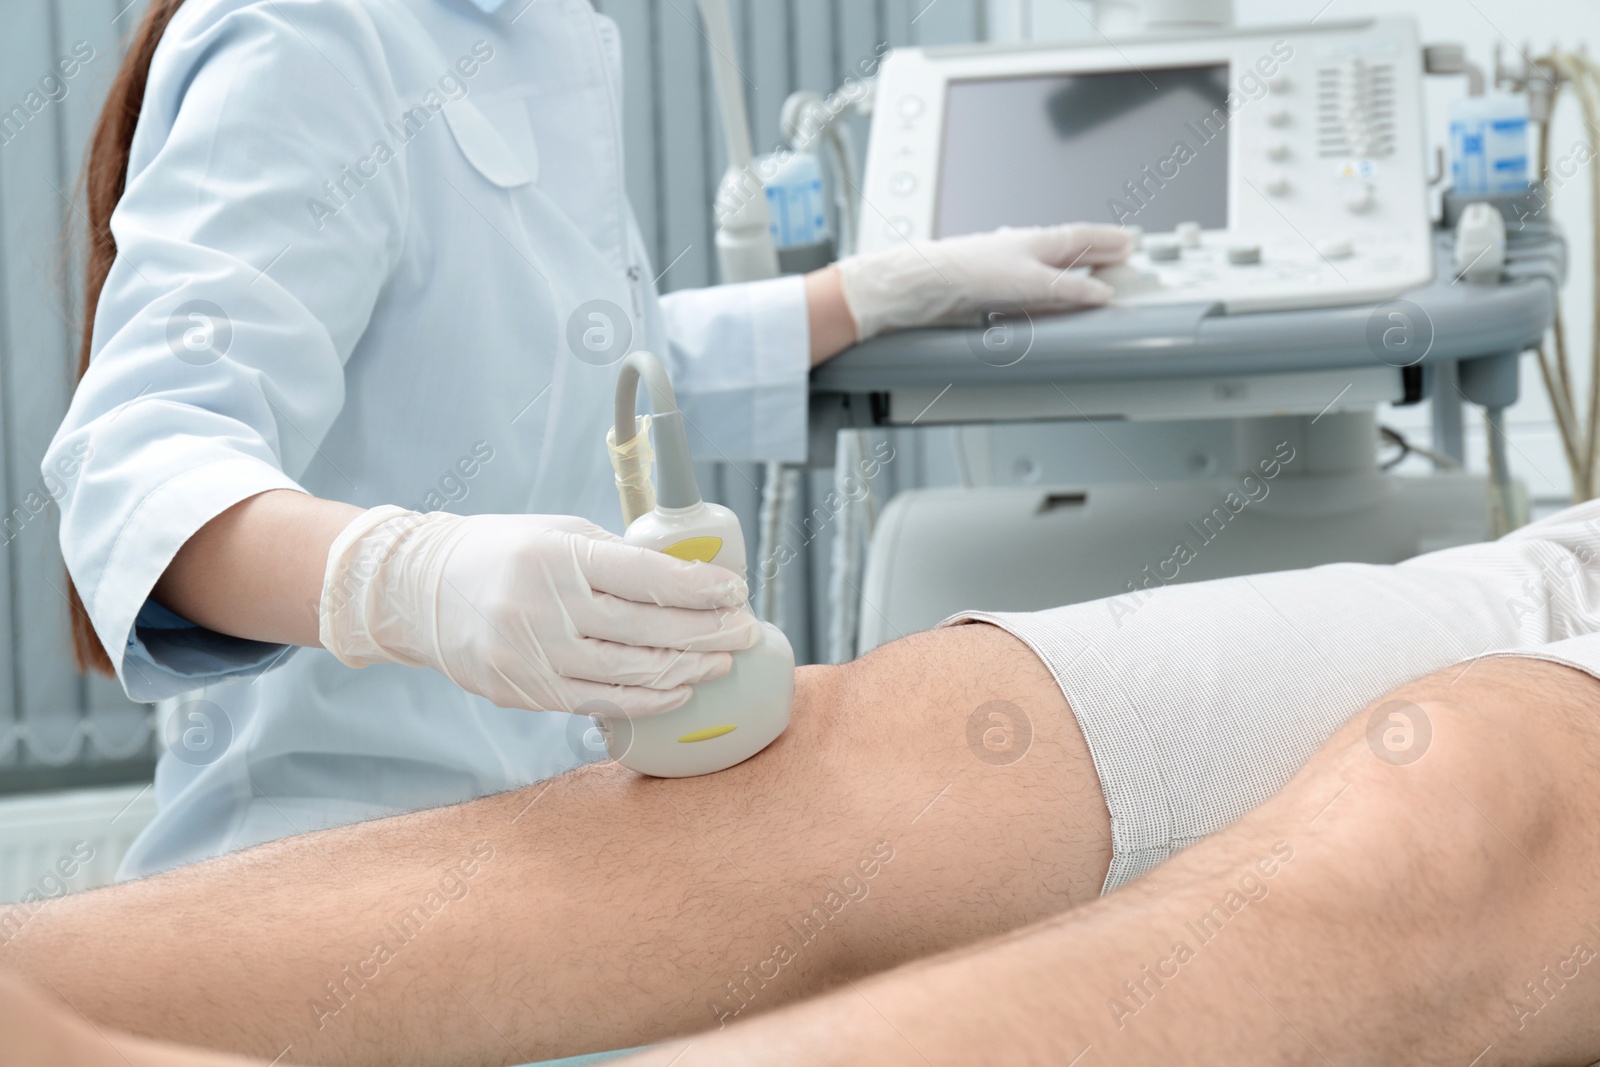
56,843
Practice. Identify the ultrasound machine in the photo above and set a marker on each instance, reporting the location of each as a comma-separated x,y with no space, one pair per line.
1295,270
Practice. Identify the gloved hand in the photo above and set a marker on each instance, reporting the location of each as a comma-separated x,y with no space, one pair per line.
932,283
544,612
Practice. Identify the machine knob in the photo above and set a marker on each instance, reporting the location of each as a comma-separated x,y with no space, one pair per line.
1278,185
1279,83
1337,248
1126,281
1189,234
904,183
1163,250
1280,116
1244,255
1278,151
1360,197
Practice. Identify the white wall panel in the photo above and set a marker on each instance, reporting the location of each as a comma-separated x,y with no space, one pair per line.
33,349
40,304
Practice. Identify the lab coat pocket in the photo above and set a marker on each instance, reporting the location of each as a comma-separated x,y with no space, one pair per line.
503,151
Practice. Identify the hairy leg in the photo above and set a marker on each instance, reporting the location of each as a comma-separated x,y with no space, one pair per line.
41,1031
1379,910
930,795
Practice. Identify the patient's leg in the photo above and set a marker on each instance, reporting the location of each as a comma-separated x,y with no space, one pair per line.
40,1031
1444,911
901,815
605,909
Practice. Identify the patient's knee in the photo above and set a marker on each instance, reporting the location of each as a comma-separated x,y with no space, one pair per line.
876,699
1507,723
1494,761
819,690
957,699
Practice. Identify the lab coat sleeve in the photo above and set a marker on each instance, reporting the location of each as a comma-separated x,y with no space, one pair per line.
249,261
740,358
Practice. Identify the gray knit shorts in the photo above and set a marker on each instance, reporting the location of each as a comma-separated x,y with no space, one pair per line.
1201,701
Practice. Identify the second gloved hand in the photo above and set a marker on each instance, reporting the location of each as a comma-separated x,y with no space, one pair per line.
936,283
543,612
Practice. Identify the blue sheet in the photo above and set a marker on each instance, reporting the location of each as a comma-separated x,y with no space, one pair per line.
589,1060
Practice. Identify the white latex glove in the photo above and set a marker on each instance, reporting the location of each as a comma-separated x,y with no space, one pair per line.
936,283
543,612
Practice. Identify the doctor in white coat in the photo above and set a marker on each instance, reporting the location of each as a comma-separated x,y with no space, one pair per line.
359,276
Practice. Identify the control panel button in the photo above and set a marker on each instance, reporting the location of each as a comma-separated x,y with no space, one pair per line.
1189,234
911,106
1244,255
899,226
903,183
1280,116
1278,151
1337,248
1360,197
1162,249
1278,185
1279,83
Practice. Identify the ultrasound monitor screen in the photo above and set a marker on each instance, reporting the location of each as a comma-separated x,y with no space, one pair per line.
1146,148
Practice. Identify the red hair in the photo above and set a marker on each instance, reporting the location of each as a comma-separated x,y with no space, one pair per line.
105,173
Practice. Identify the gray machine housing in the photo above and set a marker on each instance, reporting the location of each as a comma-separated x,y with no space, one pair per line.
1299,390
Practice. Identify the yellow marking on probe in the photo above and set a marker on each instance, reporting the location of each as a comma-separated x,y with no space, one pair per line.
697,549
705,735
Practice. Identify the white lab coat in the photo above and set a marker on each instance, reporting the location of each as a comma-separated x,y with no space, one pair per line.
391,210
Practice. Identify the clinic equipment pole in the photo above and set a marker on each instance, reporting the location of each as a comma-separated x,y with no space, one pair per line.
745,249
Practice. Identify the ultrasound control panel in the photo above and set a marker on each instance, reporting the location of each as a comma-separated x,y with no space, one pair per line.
1261,169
